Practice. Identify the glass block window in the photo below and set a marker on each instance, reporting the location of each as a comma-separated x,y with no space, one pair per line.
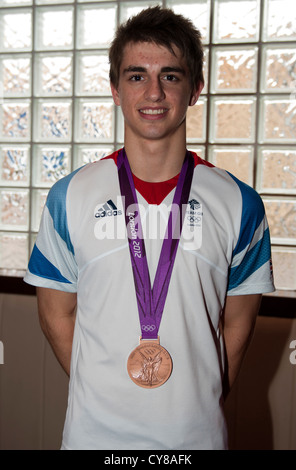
57,113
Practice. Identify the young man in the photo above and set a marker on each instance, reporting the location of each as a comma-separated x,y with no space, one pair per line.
150,311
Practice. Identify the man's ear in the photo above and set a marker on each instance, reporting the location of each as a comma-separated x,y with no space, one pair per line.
195,94
115,94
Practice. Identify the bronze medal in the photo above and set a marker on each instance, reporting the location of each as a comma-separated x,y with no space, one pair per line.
149,364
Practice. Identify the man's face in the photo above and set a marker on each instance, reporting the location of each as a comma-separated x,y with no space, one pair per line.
154,91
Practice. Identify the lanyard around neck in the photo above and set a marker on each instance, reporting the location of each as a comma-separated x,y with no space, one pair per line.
151,302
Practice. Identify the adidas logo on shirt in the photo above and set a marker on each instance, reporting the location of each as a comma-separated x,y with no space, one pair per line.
108,209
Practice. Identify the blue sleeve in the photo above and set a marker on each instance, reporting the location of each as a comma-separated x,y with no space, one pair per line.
52,263
251,268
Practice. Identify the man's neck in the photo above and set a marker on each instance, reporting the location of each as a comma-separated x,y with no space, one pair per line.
155,161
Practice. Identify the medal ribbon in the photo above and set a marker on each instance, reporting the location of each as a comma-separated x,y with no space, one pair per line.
151,301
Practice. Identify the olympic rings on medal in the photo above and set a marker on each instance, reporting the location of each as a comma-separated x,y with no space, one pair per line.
148,327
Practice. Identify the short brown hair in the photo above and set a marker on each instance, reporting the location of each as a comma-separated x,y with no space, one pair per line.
163,27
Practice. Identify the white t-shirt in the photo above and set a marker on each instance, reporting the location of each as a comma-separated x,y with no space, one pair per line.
82,247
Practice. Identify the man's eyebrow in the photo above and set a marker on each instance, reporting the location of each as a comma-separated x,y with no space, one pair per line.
172,70
136,68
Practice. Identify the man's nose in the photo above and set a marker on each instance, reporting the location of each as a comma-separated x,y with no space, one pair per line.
154,91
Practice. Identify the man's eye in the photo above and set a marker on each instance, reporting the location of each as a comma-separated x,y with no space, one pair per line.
136,78
170,78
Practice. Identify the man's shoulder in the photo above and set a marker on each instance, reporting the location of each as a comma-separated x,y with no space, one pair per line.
83,176
221,180
251,200
105,164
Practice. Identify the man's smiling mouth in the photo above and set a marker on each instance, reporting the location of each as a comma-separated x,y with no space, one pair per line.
153,111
